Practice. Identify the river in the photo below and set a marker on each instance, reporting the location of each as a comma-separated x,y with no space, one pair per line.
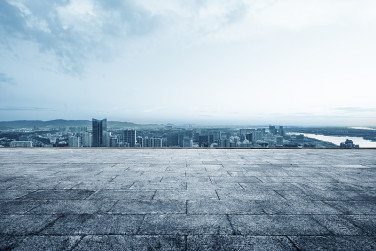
339,139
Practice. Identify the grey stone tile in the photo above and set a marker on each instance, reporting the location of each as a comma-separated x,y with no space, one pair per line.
338,224
228,242
366,222
277,225
47,243
298,207
122,195
73,207
213,186
24,224
141,185
248,195
17,206
185,224
237,179
8,242
73,194
334,242
79,224
282,179
149,207
190,194
136,243
224,207
354,207
13,194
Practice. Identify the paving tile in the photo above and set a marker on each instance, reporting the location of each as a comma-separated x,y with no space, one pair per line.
24,224
338,224
73,207
79,224
334,242
277,225
224,207
47,242
141,185
136,243
8,242
149,207
13,194
180,199
185,224
190,194
354,207
72,194
366,222
298,207
17,206
248,195
121,195
228,242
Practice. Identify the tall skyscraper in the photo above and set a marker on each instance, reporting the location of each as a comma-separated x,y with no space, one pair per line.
99,126
130,137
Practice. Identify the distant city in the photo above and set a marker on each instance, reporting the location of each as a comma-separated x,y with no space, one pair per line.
101,133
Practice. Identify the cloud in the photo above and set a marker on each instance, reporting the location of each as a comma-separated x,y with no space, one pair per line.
77,31
5,79
18,108
74,31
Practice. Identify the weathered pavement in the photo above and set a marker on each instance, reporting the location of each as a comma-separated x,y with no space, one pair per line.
187,199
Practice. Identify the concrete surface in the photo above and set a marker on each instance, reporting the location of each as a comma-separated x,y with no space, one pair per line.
187,199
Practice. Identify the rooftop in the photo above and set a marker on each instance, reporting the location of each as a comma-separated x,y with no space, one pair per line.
187,199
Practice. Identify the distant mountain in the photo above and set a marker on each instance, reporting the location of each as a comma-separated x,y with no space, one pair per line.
66,123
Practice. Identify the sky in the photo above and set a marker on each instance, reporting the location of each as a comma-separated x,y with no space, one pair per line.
251,62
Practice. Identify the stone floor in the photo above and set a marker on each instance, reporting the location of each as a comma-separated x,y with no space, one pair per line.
187,199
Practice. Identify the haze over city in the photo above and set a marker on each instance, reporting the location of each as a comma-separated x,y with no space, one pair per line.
206,62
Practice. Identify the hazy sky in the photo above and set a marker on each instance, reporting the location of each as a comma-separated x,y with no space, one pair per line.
291,62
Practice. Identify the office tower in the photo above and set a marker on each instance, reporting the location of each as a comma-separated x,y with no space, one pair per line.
74,141
173,139
281,131
99,126
248,137
256,135
203,141
130,137
279,141
187,142
86,139
140,141
272,129
157,142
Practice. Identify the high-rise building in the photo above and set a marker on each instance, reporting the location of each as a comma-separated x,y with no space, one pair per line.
256,135
187,142
279,141
157,142
281,131
74,141
130,137
99,127
272,129
140,141
86,139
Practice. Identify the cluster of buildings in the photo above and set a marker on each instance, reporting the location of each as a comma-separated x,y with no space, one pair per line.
101,136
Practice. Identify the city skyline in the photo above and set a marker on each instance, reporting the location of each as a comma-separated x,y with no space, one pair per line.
240,62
